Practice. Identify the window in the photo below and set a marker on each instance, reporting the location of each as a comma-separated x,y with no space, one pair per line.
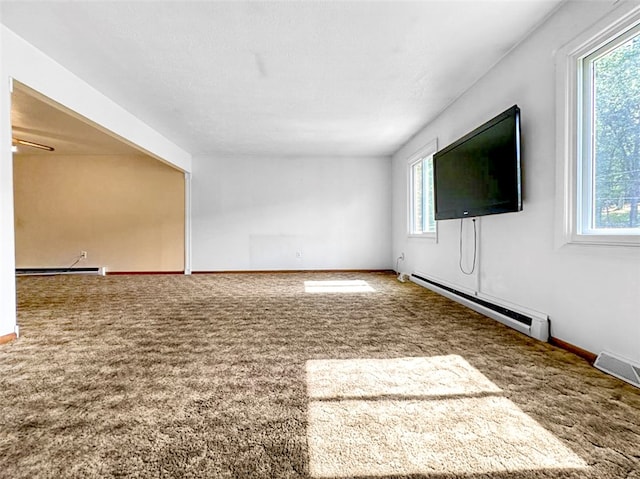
421,203
599,141
609,163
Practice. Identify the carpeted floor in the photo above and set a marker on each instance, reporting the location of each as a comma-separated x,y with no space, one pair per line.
249,376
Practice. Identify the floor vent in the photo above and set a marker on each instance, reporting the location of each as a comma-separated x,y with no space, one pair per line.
51,271
619,367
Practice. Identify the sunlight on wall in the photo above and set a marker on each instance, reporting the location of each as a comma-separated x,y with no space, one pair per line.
345,286
437,415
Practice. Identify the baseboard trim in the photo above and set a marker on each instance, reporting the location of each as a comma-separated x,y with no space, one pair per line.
583,353
248,271
284,271
7,338
122,273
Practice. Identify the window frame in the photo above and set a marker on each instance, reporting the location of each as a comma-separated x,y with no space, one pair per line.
574,189
425,152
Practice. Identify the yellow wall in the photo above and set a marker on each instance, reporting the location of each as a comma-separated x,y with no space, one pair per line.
127,212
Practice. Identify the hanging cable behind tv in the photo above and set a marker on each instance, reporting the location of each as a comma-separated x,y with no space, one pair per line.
475,248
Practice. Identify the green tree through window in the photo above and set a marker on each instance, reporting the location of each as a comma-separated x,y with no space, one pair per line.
615,136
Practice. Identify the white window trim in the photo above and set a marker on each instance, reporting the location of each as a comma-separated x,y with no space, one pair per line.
427,150
568,127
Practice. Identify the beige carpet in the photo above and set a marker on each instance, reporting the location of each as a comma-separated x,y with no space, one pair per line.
262,376
445,417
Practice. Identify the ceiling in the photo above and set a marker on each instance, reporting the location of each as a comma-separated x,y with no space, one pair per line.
308,78
37,119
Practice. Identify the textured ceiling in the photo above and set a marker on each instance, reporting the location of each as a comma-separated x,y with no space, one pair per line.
287,78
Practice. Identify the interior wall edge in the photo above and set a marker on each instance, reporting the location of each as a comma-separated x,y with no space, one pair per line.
37,71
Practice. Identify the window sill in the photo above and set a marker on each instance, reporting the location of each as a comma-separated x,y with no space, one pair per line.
424,236
605,240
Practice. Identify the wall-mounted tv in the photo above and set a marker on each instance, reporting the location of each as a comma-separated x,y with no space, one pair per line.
480,173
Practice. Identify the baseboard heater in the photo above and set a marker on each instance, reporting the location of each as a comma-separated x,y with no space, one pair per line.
101,270
535,325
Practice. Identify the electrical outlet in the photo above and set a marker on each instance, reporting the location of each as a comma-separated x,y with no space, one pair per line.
402,256
83,254
298,254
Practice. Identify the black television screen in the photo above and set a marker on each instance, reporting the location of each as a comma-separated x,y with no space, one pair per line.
479,174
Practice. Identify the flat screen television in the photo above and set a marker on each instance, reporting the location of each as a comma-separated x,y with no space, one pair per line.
480,173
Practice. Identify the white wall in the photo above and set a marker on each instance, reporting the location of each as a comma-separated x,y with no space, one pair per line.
23,62
7,265
255,213
591,293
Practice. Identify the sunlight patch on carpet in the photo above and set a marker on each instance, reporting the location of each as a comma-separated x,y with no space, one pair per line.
407,377
410,416
343,286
